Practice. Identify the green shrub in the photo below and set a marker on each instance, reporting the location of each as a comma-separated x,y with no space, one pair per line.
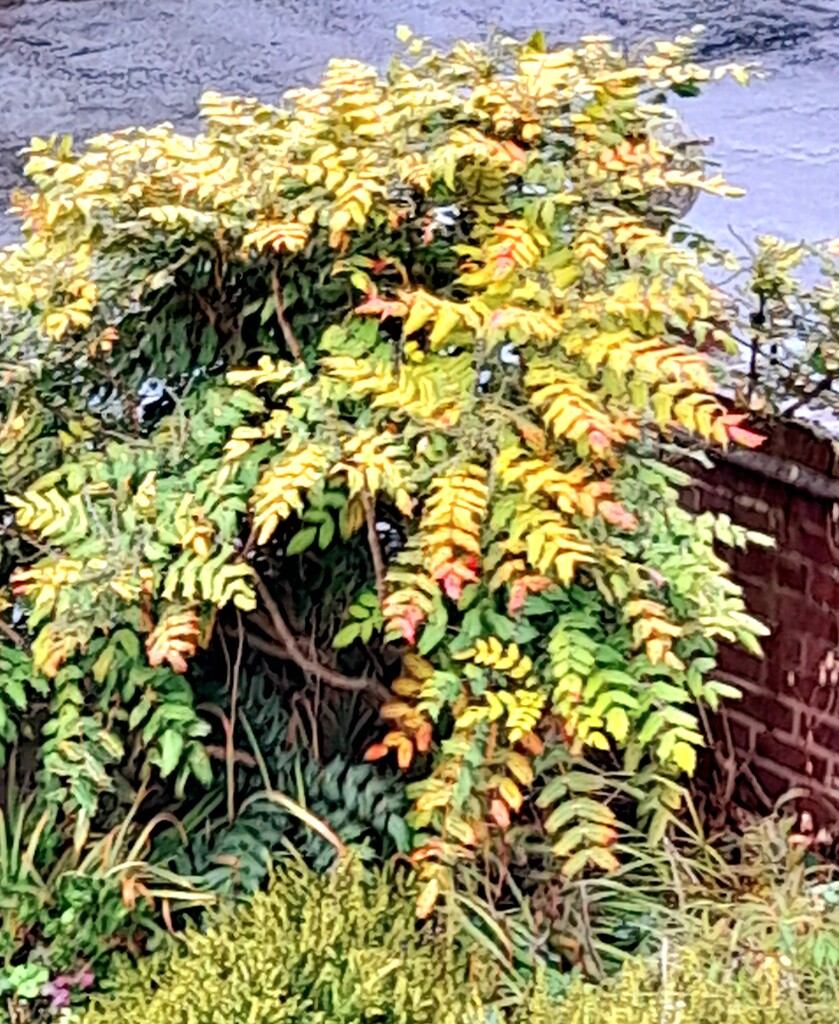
684,989
331,949
345,949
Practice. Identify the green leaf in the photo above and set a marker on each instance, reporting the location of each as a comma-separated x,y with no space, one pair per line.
171,748
200,764
326,533
302,540
431,635
344,637
399,832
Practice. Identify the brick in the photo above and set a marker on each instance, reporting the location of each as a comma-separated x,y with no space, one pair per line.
717,498
814,547
810,515
754,562
770,713
740,664
772,780
755,514
826,734
784,651
792,572
802,615
824,587
784,754
761,601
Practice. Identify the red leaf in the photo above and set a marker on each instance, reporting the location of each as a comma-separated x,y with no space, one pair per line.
747,438
407,623
376,752
613,512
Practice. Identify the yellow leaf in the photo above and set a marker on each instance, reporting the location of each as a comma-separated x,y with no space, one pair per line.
427,899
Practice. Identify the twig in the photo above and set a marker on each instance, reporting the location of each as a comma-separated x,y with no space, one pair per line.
13,635
291,651
239,756
234,700
206,309
285,326
824,385
375,544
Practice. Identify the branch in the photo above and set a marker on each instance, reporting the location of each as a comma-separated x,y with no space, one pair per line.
375,544
285,326
291,651
824,385
206,309
13,635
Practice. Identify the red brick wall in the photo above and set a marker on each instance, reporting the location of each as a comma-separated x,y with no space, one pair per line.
783,737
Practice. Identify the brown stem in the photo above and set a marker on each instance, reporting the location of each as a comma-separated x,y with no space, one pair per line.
230,752
285,326
290,650
13,635
239,756
375,545
206,309
824,385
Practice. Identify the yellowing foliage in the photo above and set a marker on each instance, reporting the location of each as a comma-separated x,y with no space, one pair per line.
413,339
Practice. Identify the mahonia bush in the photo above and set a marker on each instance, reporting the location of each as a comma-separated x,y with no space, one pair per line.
418,343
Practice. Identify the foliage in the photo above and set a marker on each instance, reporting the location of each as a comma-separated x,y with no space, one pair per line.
738,897
342,947
66,903
364,806
791,295
417,335
345,947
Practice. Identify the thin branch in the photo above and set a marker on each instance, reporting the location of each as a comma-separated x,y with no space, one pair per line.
824,385
12,634
239,756
290,650
234,700
375,544
206,309
285,326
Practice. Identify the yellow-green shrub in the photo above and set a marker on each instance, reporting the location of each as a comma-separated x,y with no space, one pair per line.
346,949
335,949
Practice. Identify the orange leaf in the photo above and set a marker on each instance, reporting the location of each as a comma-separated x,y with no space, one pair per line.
532,743
376,752
405,754
422,738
